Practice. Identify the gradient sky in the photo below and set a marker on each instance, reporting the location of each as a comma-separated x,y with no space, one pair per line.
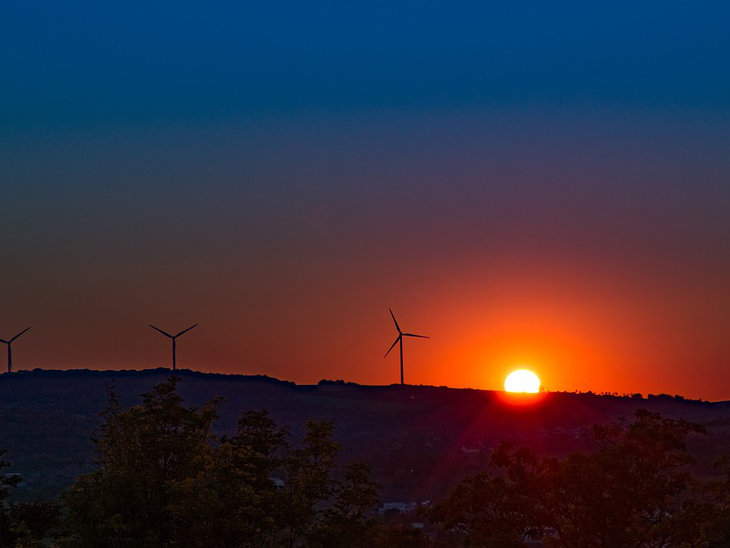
528,184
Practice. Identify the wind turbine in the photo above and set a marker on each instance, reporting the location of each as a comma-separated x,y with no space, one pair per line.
10,349
173,337
400,340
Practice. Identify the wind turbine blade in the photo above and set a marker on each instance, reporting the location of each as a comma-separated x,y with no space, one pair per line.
4,342
395,321
391,347
19,334
412,335
160,330
186,330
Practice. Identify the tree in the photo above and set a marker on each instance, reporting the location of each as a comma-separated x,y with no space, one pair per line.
6,483
234,501
497,508
308,480
32,522
345,522
258,450
164,481
23,525
146,457
634,491
717,528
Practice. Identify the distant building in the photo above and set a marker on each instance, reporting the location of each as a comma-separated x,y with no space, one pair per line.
402,507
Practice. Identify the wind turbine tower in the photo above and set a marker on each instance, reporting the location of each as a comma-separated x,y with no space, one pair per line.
174,339
10,348
399,340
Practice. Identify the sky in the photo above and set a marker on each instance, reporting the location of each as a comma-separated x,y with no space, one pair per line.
529,184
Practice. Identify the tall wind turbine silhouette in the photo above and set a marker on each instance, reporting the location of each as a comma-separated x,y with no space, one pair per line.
174,338
400,340
10,348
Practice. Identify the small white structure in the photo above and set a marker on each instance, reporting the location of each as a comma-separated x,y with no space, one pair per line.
402,507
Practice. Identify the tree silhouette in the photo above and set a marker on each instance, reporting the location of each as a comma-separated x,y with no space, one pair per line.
23,524
146,455
163,480
634,491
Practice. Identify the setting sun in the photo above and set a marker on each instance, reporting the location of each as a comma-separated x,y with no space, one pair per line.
522,380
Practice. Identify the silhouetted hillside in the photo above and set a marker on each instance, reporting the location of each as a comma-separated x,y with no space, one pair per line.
417,440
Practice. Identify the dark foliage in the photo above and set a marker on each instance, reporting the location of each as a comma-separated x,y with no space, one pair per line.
634,491
164,481
24,525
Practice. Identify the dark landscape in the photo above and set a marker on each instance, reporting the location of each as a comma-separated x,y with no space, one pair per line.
364,274
418,441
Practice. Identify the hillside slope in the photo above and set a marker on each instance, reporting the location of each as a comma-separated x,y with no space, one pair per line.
417,440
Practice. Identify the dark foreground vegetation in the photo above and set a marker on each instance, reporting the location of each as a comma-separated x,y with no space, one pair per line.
162,478
417,441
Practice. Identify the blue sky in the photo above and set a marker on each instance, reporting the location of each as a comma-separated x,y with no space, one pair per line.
97,63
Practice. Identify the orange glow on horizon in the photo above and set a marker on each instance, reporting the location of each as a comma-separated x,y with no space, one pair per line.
579,329
521,398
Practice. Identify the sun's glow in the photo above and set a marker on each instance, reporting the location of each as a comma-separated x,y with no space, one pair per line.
522,380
